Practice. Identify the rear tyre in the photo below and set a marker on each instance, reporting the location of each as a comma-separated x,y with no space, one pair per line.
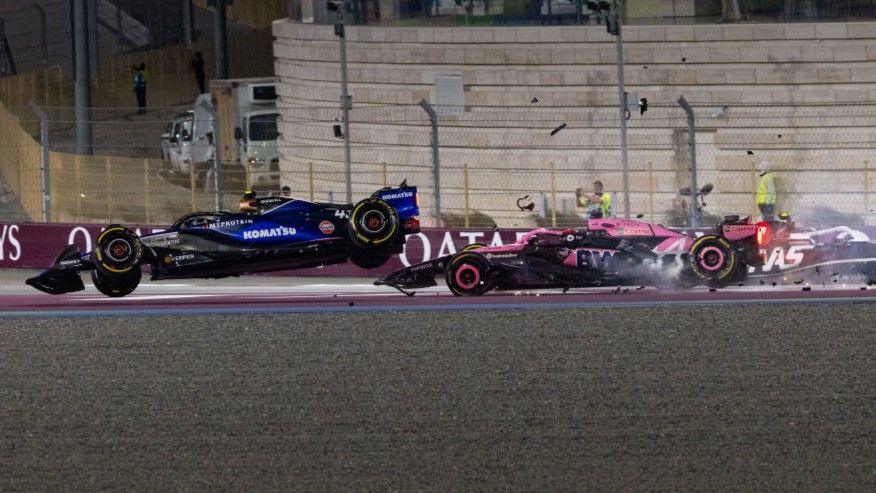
369,259
713,260
472,247
373,223
116,285
467,274
118,251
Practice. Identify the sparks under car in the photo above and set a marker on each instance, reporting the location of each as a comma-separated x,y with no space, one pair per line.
609,252
277,233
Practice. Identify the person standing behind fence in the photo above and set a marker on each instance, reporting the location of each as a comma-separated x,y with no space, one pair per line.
596,205
198,67
140,87
766,192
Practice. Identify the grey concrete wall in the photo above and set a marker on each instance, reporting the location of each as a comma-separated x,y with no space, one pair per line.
811,84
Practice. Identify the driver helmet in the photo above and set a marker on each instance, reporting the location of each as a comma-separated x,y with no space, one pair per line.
247,202
763,166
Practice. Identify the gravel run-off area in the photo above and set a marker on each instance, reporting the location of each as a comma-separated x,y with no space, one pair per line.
751,397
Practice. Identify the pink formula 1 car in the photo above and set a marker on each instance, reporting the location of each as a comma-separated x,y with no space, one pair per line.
609,252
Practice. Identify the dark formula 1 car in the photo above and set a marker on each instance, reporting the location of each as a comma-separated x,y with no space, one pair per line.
277,233
609,252
831,255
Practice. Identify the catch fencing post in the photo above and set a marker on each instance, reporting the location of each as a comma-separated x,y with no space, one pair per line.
436,163
651,190
867,186
310,179
147,190
692,148
46,169
192,186
465,190
553,196
78,165
109,187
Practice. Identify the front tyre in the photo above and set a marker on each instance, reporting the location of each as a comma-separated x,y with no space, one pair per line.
373,223
116,285
118,251
467,274
712,259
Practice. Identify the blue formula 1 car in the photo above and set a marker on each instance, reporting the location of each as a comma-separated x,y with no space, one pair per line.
269,234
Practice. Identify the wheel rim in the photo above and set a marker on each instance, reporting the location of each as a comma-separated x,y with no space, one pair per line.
373,221
467,276
119,250
711,258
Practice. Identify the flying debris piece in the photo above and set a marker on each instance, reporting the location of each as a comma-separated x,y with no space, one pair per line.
773,283
534,100
557,130
565,288
644,66
780,136
683,59
750,153
807,288
712,290
350,303
640,288
741,284
800,281
523,206
720,112
834,274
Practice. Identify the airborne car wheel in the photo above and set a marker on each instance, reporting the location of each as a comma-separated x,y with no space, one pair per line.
118,250
369,260
467,274
116,285
373,223
713,260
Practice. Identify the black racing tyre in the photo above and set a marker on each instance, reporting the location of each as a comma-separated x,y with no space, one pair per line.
713,260
119,250
116,285
467,274
373,223
369,259
473,246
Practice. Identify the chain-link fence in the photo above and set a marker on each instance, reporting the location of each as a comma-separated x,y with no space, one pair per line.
504,166
576,12
524,166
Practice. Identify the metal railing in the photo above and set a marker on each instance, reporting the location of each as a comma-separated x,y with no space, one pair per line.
508,166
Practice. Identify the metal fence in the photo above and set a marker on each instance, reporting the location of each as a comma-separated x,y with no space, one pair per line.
504,166
496,161
571,12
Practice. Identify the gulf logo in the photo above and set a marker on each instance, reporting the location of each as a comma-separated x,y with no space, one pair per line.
327,227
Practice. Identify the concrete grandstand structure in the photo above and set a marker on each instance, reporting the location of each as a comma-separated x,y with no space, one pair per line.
799,95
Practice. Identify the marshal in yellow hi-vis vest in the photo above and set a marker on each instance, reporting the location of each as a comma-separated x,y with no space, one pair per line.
765,195
766,189
605,205
597,204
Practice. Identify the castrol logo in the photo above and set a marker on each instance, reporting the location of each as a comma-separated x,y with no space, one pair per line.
327,227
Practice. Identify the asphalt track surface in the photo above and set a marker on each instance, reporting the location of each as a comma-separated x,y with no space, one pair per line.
748,388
